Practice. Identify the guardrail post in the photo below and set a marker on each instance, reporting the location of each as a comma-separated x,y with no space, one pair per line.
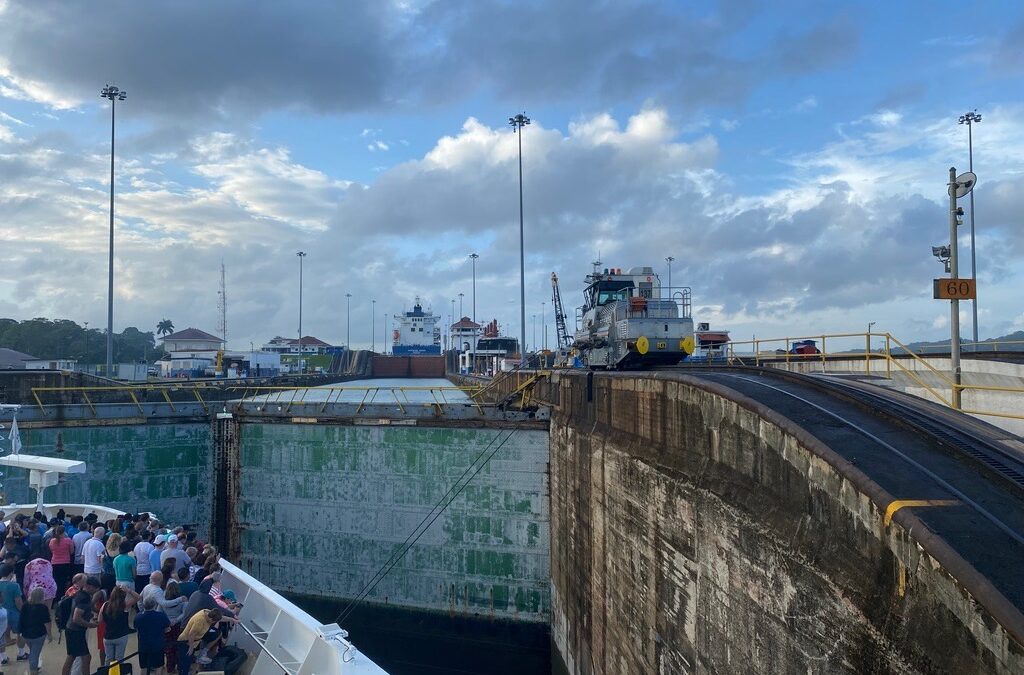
822,352
787,350
888,357
867,353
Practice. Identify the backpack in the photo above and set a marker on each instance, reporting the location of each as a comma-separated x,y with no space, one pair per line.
64,609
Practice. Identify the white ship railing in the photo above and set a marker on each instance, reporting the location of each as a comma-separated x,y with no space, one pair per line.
287,638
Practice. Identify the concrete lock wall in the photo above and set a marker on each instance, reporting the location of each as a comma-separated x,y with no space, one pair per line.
322,507
164,468
693,533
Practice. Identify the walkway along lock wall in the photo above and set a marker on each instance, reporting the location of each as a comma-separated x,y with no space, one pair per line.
695,532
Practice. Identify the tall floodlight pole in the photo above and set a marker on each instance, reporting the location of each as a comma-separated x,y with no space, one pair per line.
544,326
533,322
373,325
970,119
300,255
460,304
113,94
348,321
384,335
669,261
517,123
473,257
954,317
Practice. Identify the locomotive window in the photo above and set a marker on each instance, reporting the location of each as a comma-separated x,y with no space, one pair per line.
606,296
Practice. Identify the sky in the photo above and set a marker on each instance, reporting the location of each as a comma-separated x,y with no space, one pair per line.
792,157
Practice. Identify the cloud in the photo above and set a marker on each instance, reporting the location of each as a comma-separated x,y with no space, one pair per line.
825,45
1008,58
206,62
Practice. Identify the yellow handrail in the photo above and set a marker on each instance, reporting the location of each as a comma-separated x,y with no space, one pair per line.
762,352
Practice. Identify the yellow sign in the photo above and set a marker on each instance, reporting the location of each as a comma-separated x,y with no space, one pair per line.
954,289
642,344
661,345
686,344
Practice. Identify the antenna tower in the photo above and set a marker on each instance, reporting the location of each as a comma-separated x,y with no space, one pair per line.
222,307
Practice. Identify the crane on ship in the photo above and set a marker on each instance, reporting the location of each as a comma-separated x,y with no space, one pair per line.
564,339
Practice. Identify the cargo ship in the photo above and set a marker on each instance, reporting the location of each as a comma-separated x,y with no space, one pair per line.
416,333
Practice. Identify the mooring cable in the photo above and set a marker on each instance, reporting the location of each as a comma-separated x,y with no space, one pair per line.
417,532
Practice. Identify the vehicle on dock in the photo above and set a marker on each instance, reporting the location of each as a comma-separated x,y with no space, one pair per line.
630,321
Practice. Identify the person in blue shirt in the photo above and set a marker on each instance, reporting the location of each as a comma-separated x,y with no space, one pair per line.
10,590
151,624
159,544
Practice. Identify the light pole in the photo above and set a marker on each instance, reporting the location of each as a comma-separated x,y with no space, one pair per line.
544,326
954,317
669,261
473,257
970,119
373,325
452,317
86,341
533,322
460,304
301,255
384,335
517,123
348,321
113,94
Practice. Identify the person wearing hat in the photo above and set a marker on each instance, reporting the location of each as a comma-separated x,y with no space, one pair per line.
159,544
175,552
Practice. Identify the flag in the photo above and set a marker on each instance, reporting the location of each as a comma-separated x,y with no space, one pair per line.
15,438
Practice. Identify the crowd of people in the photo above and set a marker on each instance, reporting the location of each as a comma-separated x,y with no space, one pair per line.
131,574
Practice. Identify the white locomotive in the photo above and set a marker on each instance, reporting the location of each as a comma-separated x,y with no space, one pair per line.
630,321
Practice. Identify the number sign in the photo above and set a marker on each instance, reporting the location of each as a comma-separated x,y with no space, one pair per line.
955,289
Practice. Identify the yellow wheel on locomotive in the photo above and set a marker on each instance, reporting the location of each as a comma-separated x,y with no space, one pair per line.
686,344
642,344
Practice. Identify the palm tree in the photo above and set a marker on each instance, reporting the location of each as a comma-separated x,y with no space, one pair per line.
165,327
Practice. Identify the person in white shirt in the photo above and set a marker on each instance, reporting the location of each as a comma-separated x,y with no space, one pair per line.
93,552
143,567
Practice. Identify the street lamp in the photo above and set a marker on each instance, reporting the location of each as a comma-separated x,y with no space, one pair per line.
517,123
460,304
384,335
970,119
544,326
373,325
301,255
669,261
348,321
113,94
473,257
533,322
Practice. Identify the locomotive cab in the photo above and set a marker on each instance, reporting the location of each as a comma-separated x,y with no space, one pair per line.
629,320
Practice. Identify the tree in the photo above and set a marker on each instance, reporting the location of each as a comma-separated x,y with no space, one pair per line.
164,327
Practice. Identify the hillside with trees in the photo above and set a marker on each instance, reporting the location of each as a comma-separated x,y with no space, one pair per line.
65,339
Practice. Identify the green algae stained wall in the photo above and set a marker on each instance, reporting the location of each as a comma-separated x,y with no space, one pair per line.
164,468
323,507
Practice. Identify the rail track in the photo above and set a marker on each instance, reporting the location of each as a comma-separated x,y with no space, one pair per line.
970,472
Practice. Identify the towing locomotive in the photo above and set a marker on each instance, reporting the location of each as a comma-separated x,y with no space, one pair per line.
629,321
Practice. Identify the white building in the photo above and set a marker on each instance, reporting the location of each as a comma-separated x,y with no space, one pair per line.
310,345
191,339
51,364
465,333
